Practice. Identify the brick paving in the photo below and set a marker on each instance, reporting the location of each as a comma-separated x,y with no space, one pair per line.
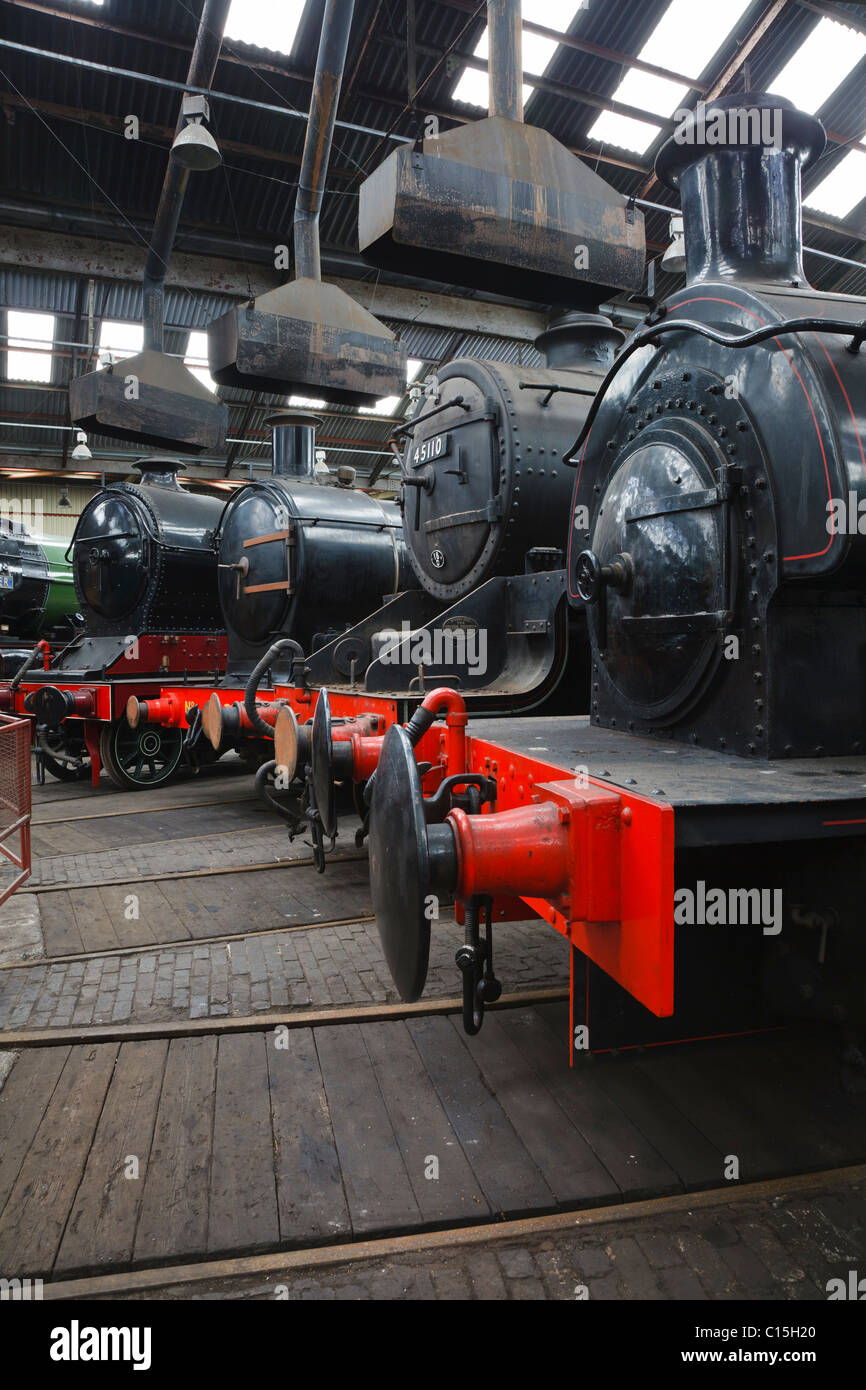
318,968
782,1248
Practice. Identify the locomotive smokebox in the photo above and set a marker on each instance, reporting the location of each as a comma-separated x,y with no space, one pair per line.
737,164
496,193
143,558
483,478
300,560
308,334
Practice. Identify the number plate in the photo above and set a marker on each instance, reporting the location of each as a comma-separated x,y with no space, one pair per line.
7,581
438,446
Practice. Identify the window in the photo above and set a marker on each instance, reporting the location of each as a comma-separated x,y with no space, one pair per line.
386,406
121,339
28,331
306,403
196,359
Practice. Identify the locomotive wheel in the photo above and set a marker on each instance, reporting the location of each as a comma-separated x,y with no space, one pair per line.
139,758
64,756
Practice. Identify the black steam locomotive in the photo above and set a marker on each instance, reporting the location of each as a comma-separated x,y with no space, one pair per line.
721,476
698,840
37,597
485,496
301,561
144,569
296,559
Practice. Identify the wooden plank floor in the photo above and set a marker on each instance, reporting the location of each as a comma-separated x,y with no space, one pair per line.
183,909
93,847
156,1152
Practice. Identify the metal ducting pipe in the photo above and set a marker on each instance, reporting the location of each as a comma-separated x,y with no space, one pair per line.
497,202
202,67
505,62
325,98
309,335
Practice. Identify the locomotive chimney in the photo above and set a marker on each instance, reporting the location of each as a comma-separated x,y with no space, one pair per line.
577,340
293,434
159,472
737,163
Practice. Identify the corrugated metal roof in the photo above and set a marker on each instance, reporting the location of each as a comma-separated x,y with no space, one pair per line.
69,158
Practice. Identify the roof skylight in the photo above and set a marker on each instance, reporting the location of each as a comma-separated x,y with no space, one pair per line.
270,24
820,64
28,330
843,188
679,44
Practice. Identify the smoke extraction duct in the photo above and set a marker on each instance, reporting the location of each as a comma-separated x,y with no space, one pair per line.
151,398
308,334
499,205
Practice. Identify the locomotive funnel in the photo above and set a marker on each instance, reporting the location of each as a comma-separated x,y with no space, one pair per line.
737,164
496,194
579,340
306,333
293,434
152,398
159,472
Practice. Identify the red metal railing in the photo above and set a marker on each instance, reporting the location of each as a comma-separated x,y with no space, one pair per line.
14,801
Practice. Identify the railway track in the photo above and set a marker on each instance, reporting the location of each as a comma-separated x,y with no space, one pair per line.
265,1274
175,875
119,951
276,1018
145,809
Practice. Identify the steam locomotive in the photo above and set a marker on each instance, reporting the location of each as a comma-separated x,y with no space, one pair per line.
157,601
144,570
481,553
37,596
698,840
